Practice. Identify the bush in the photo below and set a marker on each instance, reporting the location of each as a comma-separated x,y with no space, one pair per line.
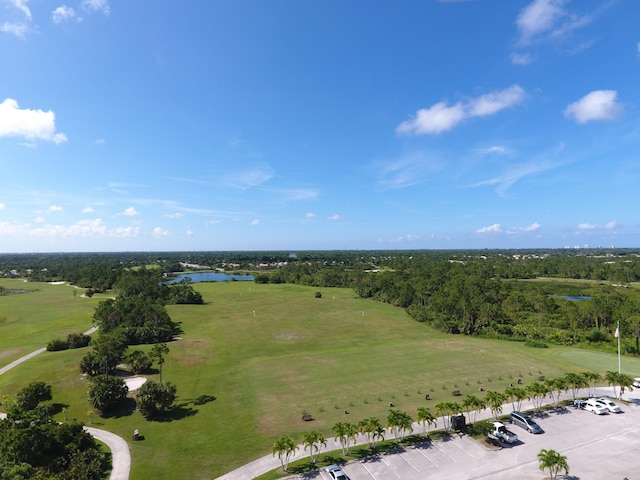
78,340
139,361
30,396
154,397
57,344
596,336
535,344
106,393
318,294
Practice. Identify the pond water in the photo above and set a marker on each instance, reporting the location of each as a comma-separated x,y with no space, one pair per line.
197,277
577,297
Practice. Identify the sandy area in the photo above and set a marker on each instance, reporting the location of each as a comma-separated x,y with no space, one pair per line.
134,383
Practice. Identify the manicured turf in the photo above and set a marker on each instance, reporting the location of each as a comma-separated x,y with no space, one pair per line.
296,354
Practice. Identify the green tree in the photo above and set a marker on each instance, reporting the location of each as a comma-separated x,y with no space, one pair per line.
345,433
284,448
106,393
555,386
592,379
494,401
575,382
30,396
537,392
138,361
400,423
553,461
372,429
517,395
445,410
475,405
109,349
426,419
153,397
158,352
619,382
314,441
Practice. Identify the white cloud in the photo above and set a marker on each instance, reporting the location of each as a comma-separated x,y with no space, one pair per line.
521,59
596,105
529,228
407,171
30,124
255,222
19,24
55,208
494,149
2,206
64,14
39,220
85,228
249,178
638,47
538,17
495,228
334,217
97,6
440,117
212,222
124,232
175,215
88,210
310,215
160,232
493,102
130,212
189,233
590,226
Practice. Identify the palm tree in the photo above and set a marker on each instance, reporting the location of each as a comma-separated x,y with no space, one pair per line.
575,381
372,429
471,403
537,392
314,441
517,395
555,387
284,448
592,379
553,461
158,352
444,410
619,381
495,401
345,432
426,418
400,423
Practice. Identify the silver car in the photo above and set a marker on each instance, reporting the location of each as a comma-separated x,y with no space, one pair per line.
525,421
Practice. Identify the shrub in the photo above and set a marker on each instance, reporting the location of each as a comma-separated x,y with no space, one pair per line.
107,392
596,336
535,344
57,344
78,340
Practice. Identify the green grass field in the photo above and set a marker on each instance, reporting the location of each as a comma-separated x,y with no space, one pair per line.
268,354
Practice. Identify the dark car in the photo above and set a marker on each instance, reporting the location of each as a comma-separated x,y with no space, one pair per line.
525,421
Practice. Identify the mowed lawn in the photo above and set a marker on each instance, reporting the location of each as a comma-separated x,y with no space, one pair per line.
269,353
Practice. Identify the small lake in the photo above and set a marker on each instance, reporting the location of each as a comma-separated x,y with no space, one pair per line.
197,277
577,297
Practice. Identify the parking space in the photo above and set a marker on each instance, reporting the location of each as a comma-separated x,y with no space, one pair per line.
596,446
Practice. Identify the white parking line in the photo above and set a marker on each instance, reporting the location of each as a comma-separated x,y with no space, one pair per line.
404,457
428,458
389,467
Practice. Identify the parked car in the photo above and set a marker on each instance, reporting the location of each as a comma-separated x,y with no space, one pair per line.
500,433
609,405
525,421
336,473
636,382
593,406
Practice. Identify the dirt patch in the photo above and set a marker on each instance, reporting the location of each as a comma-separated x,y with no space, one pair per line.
11,352
287,336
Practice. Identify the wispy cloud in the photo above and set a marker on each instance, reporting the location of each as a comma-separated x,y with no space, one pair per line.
496,228
160,232
309,215
55,208
494,150
64,14
101,6
246,179
585,227
334,217
255,221
32,125
441,117
538,17
20,18
521,58
596,105
407,171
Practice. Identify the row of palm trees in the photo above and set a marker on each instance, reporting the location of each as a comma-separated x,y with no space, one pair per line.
400,423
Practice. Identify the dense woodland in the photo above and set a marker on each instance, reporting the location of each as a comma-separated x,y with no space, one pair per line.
506,294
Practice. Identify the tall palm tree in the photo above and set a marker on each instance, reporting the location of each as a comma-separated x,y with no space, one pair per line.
473,404
575,381
592,379
284,448
495,401
314,440
537,392
552,460
444,410
345,433
372,429
158,351
426,418
400,423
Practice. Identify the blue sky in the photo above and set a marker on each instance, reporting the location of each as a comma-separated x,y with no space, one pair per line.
296,125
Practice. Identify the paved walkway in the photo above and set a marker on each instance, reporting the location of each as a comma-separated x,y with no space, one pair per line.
120,455
269,462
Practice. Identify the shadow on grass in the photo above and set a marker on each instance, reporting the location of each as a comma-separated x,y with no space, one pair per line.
125,408
176,412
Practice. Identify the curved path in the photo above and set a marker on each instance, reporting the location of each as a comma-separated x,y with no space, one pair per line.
120,455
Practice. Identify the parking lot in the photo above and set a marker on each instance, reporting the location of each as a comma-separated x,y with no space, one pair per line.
596,446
